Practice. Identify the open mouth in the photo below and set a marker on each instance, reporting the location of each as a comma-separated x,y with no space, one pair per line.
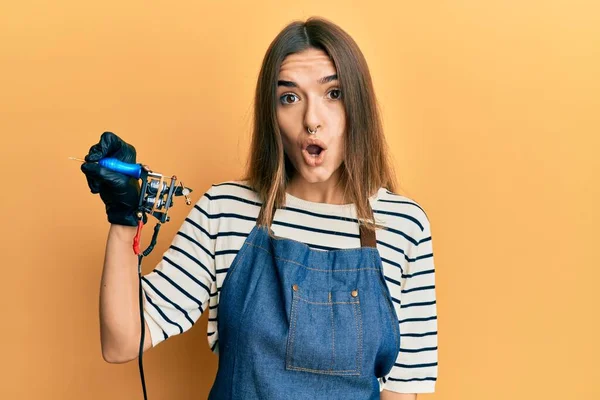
314,155
314,150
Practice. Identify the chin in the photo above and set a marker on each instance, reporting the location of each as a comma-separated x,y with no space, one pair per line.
321,173
316,175
314,178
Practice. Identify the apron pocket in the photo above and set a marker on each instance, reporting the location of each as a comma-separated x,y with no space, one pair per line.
325,333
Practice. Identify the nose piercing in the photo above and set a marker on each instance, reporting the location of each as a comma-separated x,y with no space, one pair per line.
313,132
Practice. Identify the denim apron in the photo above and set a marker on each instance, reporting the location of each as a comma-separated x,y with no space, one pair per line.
296,322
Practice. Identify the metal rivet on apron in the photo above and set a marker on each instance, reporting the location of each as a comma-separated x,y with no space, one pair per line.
295,287
354,293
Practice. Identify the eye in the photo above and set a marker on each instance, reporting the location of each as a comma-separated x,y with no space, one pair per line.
339,93
286,95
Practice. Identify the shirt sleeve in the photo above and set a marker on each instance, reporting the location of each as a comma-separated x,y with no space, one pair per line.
177,291
415,370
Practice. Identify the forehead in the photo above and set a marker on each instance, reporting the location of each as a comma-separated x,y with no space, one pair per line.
309,66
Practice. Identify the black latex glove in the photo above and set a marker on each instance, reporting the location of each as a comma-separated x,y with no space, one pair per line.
120,193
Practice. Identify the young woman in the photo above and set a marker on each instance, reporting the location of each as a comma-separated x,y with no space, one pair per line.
317,278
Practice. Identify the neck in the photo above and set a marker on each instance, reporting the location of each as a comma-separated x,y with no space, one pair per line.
329,191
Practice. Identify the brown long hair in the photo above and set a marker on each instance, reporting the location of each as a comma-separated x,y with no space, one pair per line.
366,165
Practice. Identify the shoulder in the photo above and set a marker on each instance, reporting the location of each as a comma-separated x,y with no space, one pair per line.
402,213
230,195
232,187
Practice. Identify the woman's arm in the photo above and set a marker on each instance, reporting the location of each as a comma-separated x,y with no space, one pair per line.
415,369
387,395
119,302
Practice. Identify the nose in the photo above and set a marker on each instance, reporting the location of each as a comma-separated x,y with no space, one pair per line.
312,115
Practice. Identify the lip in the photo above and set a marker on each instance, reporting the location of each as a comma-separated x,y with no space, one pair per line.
313,140
313,161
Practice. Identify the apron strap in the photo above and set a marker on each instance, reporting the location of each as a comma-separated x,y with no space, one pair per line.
367,237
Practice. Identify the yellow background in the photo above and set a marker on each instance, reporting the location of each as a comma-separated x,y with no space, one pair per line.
491,109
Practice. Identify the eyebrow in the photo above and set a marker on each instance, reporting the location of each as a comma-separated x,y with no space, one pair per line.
322,81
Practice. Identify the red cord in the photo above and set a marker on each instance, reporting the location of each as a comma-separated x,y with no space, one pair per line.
136,239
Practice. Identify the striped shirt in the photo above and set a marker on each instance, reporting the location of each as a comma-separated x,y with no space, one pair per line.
187,280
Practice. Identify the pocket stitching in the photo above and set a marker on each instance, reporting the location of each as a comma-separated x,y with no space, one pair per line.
332,333
294,316
359,335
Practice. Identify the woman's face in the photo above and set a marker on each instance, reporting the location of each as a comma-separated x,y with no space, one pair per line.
308,96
